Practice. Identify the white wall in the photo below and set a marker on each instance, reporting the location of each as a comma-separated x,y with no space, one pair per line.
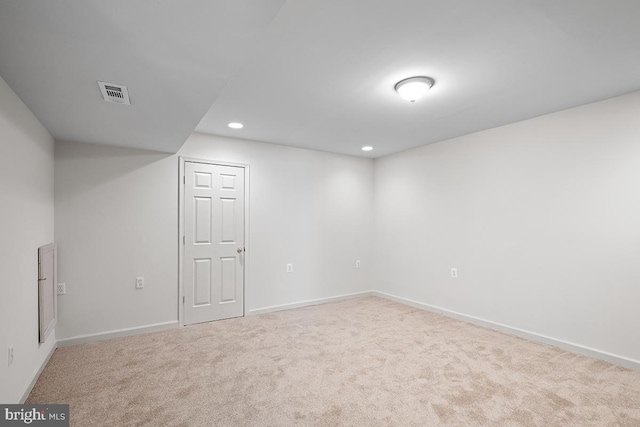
116,218
26,223
309,208
541,218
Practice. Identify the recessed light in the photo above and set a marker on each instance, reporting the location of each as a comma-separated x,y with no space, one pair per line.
234,125
367,148
413,88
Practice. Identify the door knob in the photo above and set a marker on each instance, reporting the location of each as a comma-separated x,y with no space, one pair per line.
240,250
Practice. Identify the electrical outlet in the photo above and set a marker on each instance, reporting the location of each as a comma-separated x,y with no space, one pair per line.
61,288
289,268
139,282
454,273
357,263
10,355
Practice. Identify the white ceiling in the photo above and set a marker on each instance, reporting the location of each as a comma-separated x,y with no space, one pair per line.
315,73
175,57
323,77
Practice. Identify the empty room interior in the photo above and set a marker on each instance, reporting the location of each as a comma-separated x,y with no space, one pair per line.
272,212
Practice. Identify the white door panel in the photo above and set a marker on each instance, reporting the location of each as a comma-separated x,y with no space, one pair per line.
214,242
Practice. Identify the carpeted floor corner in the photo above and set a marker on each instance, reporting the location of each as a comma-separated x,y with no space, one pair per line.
360,362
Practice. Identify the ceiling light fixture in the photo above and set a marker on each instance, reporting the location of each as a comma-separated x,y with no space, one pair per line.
367,148
234,125
414,88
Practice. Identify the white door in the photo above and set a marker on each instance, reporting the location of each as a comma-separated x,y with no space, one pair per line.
213,242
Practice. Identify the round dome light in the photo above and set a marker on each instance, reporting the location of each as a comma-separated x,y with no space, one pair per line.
414,88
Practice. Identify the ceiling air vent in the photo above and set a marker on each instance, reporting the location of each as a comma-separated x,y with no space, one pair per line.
112,92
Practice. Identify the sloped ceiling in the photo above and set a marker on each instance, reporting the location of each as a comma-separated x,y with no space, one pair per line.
315,74
175,57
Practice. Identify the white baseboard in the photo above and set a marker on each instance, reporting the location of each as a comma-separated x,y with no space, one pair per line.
37,372
531,336
299,304
82,339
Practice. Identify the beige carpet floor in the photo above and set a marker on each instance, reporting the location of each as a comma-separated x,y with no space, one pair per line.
361,362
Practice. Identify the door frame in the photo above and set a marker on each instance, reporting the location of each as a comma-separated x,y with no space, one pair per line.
181,227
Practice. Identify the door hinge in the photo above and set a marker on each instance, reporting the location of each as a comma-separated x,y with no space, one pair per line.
183,299
184,179
184,240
